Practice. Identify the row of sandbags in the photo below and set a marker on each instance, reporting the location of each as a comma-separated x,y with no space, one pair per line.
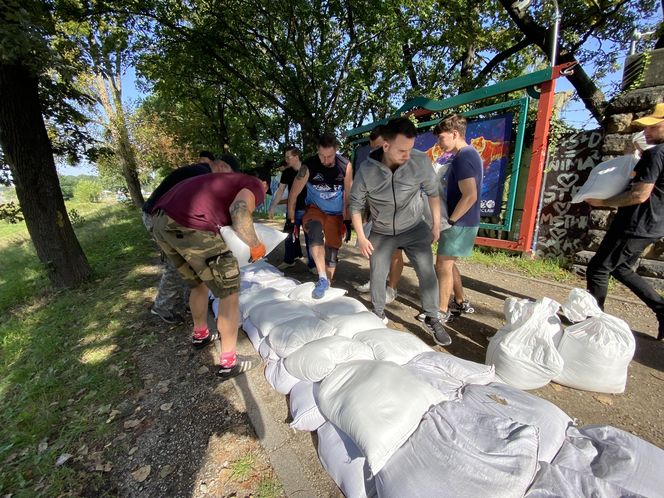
533,348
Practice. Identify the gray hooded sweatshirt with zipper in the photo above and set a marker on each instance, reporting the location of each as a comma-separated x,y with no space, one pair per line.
394,198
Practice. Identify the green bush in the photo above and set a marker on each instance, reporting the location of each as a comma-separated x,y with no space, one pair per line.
87,191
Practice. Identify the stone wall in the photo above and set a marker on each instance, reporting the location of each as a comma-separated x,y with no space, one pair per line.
621,112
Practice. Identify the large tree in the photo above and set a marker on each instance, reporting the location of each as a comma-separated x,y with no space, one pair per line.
26,60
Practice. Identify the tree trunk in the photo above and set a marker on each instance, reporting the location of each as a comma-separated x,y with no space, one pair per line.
28,151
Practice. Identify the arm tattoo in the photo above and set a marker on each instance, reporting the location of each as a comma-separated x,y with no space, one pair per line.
243,223
302,172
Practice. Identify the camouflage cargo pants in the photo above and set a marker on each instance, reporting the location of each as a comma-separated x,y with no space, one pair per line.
173,292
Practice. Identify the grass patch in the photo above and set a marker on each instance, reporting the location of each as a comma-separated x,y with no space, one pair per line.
64,355
241,469
551,269
269,488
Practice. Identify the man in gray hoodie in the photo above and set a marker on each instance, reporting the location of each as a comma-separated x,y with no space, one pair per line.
389,181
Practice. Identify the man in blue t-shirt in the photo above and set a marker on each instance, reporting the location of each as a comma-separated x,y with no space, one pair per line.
464,184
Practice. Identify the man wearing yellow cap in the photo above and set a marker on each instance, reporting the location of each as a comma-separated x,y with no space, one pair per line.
638,223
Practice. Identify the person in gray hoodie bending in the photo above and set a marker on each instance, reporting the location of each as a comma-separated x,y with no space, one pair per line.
389,182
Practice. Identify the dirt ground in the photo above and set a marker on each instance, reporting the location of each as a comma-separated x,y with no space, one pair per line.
198,439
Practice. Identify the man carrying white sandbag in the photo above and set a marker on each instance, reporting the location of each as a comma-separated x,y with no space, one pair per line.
187,220
638,223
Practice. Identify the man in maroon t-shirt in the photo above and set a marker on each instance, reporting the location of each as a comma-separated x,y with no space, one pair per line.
186,226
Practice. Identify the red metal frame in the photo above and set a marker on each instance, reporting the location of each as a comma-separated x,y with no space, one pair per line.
536,172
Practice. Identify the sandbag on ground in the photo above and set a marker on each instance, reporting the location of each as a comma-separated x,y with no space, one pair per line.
304,407
456,453
303,293
349,325
506,401
377,403
345,463
392,345
615,456
559,482
278,377
468,372
269,315
338,306
255,297
290,336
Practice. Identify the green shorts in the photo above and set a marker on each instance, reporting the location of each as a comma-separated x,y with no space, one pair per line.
457,241
198,256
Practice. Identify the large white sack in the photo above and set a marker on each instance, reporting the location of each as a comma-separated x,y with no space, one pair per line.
377,403
580,305
303,293
253,334
345,463
392,345
338,306
596,353
270,237
278,377
269,315
520,406
262,274
290,336
458,453
447,365
615,456
256,297
524,351
304,408
349,325
315,360
266,351
607,179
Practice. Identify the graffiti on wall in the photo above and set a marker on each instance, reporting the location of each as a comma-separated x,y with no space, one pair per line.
564,226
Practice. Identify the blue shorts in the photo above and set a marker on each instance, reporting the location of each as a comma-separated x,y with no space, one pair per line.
457,241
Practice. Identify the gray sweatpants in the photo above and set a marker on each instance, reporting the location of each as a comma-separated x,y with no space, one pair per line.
172,293
416,243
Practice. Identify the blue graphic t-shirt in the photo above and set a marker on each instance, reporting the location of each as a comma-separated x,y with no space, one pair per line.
466,164
325,187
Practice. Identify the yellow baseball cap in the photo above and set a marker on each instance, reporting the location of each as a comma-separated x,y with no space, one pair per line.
652,119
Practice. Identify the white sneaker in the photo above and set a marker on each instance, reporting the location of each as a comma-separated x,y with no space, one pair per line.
364,288
390,295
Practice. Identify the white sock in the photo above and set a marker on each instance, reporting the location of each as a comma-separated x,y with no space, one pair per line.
322,275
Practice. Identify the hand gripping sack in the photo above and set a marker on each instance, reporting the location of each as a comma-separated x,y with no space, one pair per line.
267,235
596,353
524,352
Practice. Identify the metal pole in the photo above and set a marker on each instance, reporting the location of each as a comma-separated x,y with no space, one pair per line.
556,27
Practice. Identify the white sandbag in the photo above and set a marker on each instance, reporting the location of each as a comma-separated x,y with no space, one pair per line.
520,406
345,463
524,352
607,179
290,336
278,377
315,360
615,456
444,364
458,453
338,306
580,305
266,352
255,297
253,334
262,274
270,237
392,345
377,403
304,408
349,325
303,293
269,315
596,353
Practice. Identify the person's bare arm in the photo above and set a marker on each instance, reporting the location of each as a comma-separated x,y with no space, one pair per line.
298,184
241,209
638,194
434,205
276,199
366,248
468,188
348,184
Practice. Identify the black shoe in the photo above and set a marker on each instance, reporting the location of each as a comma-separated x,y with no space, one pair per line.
200,342
462,307
435,327
242,365
167,317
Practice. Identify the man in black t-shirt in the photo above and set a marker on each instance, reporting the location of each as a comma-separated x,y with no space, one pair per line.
172,293
638,223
